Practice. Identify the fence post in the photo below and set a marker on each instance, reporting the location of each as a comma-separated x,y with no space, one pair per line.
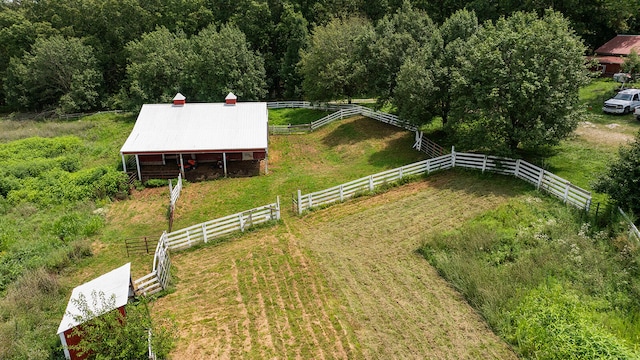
189,238
299,202
484,163
540,178
587,205
566,192
453,156
341,193
241,222
370,182
204,232
310,201
277,207
418,143
401,176
517,171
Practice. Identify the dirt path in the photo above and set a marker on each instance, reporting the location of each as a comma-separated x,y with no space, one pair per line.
340,283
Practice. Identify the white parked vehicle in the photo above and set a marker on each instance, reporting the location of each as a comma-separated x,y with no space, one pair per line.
624,102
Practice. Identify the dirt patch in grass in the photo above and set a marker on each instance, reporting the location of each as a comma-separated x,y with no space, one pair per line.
610,135
343,282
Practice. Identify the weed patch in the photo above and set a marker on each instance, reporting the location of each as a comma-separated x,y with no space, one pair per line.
503,260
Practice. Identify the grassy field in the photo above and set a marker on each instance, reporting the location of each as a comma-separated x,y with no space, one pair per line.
343,282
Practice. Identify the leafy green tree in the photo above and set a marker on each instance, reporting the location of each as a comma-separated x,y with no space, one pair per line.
397,37
519,83
17,34
293,38
632,63
112,335
424,81
621,180
333,66
156,68
223,62
57,73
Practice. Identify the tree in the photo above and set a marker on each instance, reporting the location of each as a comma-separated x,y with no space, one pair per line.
109,334
223,62
156,68
57,73
397,37
519,83
333,67
424,81
631,64
621,180
293,38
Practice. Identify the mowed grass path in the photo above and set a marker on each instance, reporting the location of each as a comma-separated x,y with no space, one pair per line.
342,282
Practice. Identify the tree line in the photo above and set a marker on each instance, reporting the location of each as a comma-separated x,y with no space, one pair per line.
476,60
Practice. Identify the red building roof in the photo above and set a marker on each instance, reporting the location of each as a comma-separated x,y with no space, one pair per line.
620,45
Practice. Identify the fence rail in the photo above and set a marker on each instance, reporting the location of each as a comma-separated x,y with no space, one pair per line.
633,230
138,246
539,177
174,192
207,231
341,111
158,279
289,129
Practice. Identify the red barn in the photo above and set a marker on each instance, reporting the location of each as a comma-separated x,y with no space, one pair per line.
116,283
201,140
612,54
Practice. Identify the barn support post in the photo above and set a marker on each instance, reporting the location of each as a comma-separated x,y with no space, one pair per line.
224,163
124,163
181,165
138,167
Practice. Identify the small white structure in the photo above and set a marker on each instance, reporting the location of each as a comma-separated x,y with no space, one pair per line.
116,283
173,136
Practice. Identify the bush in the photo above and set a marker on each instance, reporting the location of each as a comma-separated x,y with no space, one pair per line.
113,336
155,183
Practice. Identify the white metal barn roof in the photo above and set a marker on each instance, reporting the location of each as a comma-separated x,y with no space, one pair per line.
198,127
115,282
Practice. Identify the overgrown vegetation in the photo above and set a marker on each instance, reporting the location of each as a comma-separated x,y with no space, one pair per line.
546,280
112,335
55,179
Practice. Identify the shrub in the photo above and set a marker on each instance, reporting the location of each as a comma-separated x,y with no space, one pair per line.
113,336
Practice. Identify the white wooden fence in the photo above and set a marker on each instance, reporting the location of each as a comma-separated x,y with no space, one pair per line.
174,192
427,146
341,111
207,231
158,279
537,176
633,230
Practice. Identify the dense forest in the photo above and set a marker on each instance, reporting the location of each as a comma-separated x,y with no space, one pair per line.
79,55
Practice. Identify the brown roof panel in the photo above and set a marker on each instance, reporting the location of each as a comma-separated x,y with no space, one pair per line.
620,45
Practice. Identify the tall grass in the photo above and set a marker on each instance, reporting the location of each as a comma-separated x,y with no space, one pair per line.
507,261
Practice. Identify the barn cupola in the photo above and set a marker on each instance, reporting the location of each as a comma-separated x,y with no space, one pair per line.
179,100
230,99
